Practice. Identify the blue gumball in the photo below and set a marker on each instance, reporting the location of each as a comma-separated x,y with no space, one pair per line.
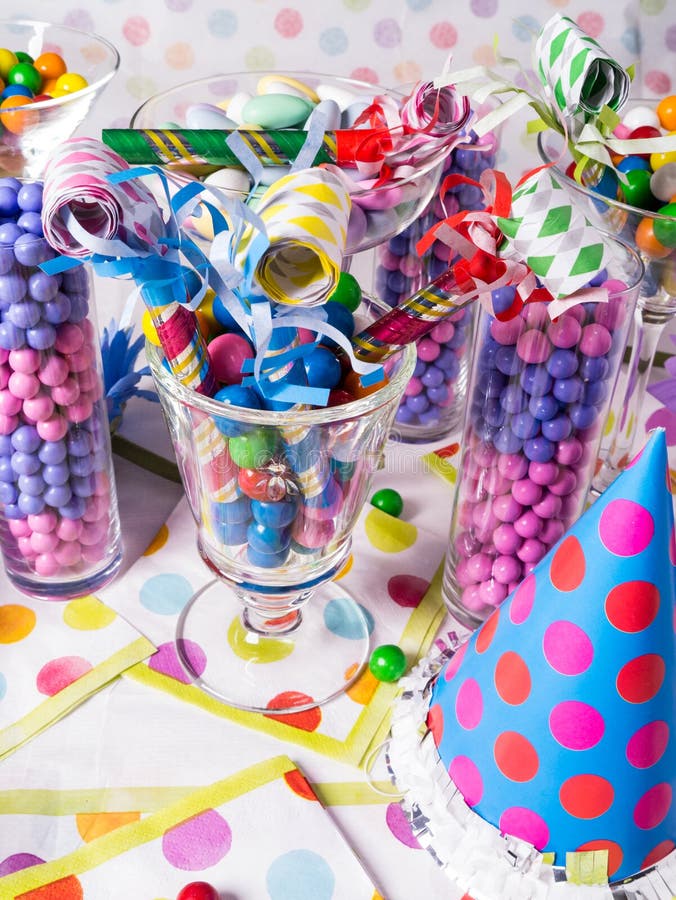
235,395
322,368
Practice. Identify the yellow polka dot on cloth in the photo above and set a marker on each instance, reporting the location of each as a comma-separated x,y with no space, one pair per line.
87,614
16,623
389,534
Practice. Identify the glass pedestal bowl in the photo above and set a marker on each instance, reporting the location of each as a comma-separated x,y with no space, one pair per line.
275,496
30,132
656,305
379,212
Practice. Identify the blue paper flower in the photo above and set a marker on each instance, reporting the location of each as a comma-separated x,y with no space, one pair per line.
119,354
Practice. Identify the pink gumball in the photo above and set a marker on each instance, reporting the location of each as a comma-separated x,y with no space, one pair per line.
228,352
23,385
492,593
44,522
8,424
52,429
87,379
79,411
53,371
67,392
26,360
81,360
38,408
69,338
506,569
43,543
69,529
19,527
5,372
26,547
96,552
10,404
46,564
68,553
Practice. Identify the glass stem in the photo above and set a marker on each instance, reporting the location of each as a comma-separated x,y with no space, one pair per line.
649,323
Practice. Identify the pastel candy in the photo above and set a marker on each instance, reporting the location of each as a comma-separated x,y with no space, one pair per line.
276,110
206,115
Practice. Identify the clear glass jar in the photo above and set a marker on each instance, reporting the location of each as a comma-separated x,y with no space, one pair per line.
59,522
538,397
434,399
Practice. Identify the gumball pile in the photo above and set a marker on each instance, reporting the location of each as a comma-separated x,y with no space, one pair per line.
280,101
24,81
650,187
56,493
287,489
434,397
539,399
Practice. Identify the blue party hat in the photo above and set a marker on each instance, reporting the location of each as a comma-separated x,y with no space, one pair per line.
555,721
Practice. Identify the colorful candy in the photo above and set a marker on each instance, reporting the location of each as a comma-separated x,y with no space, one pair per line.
539,395
56,492
434,398
387,663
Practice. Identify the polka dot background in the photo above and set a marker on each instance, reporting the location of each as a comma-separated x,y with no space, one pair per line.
297,851
388,574
557,724
47,647
390,43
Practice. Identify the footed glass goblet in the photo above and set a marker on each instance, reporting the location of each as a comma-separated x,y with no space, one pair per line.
275,496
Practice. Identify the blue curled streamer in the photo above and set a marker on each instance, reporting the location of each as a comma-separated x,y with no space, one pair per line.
315,137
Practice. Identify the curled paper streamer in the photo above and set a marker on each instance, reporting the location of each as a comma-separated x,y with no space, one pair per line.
88,211
437,112
553,236
577,74
305,216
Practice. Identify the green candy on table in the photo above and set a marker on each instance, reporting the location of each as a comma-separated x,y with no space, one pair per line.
347,291
253,449
388,501
387,662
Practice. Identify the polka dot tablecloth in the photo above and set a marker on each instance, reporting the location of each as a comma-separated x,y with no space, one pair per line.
388,575
259,833
55,655
391,43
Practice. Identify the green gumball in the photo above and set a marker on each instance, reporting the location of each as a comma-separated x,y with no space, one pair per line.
347,291
389,501
252,449
665,229
387,663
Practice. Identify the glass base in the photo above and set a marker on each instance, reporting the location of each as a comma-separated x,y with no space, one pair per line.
323,651
51,589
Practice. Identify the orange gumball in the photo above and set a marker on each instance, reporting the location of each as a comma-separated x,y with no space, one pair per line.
19,121
50,65
666,112
647,242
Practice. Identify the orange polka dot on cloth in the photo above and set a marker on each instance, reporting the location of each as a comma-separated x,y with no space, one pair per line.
512,678
515,756
299,784
568,565
641,678
68,888
632,605
16,623
586,796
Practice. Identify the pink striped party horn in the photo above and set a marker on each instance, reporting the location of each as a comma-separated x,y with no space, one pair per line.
90,211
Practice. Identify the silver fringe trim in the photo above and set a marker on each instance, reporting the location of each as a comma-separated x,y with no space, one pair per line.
476,856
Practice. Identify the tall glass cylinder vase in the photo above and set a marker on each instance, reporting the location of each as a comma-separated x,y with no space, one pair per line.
538,398
59,522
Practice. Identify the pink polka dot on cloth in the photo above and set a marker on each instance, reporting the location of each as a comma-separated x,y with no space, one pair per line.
166,660
653,807
647,745
198,842
658,81
57,674
469,704
136,30
522,601
399,826
526,824
591,22
288,23
567,648
443,35
576,725
626,528
467,779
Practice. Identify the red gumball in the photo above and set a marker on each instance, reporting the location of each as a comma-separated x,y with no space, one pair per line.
198,890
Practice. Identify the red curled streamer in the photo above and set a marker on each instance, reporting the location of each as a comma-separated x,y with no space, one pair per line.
476,239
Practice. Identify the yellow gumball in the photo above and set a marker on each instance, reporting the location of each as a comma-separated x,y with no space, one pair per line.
657,160
69,83
7,60
148,328
206,310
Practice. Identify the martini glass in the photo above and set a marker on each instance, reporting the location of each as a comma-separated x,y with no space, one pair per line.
655,308
378,212
275,496
30,133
